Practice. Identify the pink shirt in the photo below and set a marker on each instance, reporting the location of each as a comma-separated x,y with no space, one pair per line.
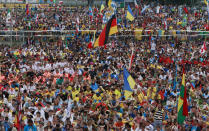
2,78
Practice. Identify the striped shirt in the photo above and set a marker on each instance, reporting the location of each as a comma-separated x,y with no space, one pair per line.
158,115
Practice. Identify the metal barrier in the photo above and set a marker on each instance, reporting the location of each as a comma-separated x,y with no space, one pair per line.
21,36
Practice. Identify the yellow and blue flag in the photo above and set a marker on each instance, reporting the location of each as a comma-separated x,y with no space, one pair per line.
206,2
129,14
95,87
109,3
129,84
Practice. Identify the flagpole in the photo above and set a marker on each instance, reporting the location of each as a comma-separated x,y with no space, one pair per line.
130,63
116,21
11,27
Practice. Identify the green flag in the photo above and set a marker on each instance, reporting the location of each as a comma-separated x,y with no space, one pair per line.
122,5
8,19
184,23
182,102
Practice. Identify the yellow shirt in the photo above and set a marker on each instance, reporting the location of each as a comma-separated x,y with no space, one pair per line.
74,93
109,93
87,92
69,88
96,98
118,94
141,97
16,53
121,105
52,93
76,99
151,94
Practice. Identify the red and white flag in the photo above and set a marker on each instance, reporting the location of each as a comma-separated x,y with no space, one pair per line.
136,5
60,2
165,25
90,45
131,59
203,48
77,24
36,18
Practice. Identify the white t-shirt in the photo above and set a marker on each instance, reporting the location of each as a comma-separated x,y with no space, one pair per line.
153,46
149,128
158,9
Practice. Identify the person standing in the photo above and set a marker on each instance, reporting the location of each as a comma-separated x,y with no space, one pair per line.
158,117
30,126
7,124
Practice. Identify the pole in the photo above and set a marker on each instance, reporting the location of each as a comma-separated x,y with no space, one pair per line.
23,38
11,29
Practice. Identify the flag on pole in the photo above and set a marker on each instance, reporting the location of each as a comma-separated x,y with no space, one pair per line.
90,45
184,23
102,8
77,24
90,13
193,85
146,6
129,84
131,59
136,5
182,102
8,19
36,18
109,29
185,10
165,24
206,2
203,48
8,14
129,14
95,87
27,9
109,3
18,114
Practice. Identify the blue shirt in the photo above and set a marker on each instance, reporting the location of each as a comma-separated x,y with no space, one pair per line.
30,128
194,128
6,126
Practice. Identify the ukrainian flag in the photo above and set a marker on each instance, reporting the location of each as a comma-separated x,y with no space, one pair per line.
206,2
129,84
95,87
129,14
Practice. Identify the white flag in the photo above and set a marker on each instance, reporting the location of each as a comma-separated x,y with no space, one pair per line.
203,48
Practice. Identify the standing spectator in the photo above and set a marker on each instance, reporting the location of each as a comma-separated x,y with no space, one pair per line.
30,126
158,117
7,125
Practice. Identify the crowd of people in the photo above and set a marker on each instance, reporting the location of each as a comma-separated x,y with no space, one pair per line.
64,18
48,84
